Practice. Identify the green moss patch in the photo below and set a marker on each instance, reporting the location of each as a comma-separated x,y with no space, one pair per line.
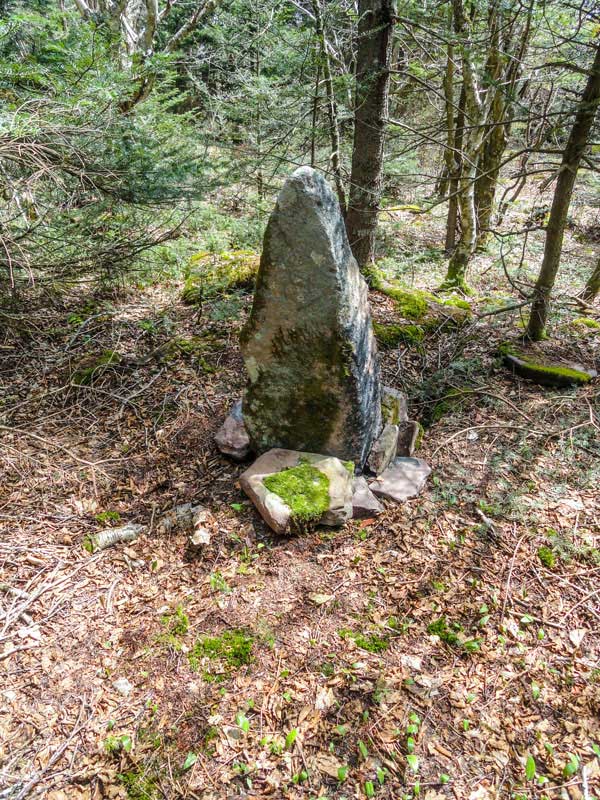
423,307
304,489
212,274
547,556
232,649
389,336
371,642
587,322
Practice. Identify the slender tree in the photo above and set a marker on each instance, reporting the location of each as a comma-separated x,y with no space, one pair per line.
375,31
592,287
475,114
571,159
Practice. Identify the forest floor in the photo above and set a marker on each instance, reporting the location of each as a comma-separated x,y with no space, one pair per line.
448,648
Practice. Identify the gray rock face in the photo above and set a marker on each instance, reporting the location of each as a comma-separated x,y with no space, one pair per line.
383,450
364,502
393,406
232,438
309,347
403,479
274,510
408,437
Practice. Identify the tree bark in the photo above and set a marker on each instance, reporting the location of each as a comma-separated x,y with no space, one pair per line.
375,30
578,138
456,153
592,287
448,84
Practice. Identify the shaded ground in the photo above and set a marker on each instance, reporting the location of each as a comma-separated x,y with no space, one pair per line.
449,648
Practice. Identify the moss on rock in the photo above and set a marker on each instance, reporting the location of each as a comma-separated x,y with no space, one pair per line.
543,373
426,308
587,322
391,335
304,489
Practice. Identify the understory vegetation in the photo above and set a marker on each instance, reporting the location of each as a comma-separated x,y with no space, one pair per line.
448,648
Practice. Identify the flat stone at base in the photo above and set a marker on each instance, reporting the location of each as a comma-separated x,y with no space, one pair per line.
403,479
393,406
271,507
407,438
383,450
364,502
232,438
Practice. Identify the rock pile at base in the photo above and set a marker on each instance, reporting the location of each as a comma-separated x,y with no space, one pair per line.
309,347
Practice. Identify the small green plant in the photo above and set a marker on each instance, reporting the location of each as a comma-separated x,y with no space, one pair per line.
371,642
572,766
107,516
176,623
218,582
291,738
529,768
118,744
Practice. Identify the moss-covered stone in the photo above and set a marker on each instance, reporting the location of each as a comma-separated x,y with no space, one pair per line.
308,345
587,322
544,373
390,335
305,491
211,274
429,310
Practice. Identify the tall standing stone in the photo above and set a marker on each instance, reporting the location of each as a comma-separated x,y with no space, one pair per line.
308,346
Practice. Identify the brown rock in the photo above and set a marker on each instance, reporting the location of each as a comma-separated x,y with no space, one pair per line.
232,438
403,479
364,502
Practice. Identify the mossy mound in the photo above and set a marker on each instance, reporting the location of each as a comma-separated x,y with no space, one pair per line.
389,336
545,374
211,274
91,368
417,305
587,323
304,489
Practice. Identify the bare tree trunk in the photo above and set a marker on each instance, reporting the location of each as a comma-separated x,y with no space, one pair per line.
561,201
472,139
334,132
592,286
456,168
504,71
449,103
375,30
315,114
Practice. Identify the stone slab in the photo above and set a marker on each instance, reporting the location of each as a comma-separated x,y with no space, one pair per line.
403,479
